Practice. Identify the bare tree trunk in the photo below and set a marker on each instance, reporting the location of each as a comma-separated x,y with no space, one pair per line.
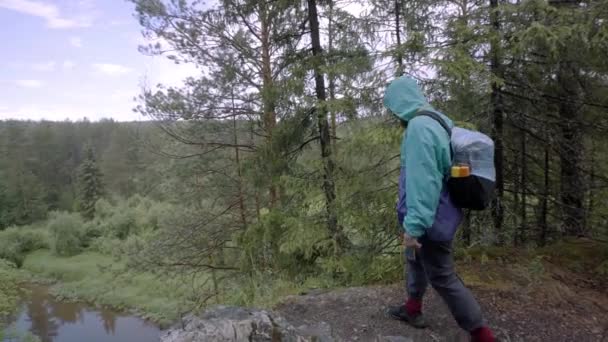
328,164
497,121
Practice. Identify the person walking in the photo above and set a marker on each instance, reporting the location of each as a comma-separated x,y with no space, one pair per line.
426,213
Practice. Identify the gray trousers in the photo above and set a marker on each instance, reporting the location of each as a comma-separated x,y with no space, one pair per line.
434,263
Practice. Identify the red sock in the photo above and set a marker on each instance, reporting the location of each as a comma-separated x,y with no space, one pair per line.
413,307
483,334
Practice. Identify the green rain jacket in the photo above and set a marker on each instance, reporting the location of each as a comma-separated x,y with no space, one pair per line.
426,160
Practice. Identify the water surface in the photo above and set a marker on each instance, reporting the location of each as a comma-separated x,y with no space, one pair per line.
56,321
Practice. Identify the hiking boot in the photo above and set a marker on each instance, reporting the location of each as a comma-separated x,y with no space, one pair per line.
400,313
483,334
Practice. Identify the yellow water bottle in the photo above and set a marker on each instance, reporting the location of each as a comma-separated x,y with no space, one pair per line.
460,171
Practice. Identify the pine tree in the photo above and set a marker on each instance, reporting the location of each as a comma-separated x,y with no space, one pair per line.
91,186
497,115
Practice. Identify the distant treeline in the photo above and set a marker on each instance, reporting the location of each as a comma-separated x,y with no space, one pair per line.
39,163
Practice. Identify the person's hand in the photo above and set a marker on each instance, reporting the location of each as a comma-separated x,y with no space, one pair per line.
410,242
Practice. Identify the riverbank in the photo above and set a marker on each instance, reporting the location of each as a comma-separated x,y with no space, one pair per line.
104,281
96,279
10,294
9,290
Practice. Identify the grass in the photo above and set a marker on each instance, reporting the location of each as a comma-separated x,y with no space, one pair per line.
579,255
101,280
506,268
261,292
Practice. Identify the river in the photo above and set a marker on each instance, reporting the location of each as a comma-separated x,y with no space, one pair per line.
56,321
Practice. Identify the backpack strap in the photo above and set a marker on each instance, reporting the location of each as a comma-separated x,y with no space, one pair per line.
443,124
437,118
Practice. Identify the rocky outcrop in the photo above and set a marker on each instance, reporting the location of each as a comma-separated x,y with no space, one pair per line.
234,324
393,339
223,324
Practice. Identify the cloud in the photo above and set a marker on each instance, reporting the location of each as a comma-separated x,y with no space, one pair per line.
68,64
161,70
47,11
46,66
29,83
111,69
76,42
114,23
355,8
63,111
123,95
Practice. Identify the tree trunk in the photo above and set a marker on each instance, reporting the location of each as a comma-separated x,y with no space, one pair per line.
591,203
329,187
258,209
237,157
268,94
216,288
497,121
545,200
331,76
399,54
571,150
466,228
515,174
523,214
571,147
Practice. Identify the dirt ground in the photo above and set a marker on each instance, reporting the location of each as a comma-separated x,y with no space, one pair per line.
551,310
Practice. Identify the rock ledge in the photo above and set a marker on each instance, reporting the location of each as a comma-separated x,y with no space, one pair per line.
223,324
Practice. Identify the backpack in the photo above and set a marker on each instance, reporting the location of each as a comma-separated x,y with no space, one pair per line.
473,177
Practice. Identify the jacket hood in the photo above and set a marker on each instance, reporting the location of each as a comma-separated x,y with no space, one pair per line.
404,98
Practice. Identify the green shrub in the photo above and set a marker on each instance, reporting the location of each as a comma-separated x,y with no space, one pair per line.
121,224
135,201
150,215
107,245
132,216
103,209
91,231
66,233
15,242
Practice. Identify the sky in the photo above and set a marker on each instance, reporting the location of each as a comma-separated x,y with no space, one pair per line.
70,59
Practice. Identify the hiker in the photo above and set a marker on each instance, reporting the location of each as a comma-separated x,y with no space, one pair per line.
427,213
